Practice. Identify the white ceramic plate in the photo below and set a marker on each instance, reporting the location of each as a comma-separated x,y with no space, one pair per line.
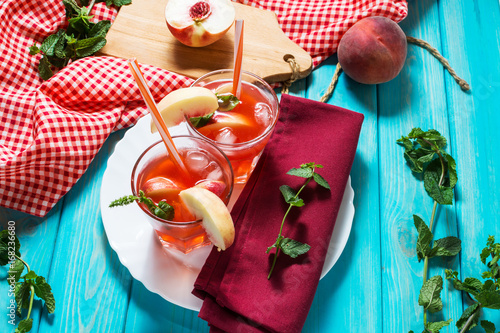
168,273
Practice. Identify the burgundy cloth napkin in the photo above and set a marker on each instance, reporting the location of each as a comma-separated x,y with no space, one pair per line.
237,295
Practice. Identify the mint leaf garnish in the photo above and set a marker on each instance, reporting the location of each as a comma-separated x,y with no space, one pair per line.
288,246
198,122
227,101
162,210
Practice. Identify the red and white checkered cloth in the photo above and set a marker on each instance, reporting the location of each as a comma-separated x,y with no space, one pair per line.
50,131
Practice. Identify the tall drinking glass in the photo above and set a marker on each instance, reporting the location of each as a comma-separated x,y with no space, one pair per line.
158,177
243,132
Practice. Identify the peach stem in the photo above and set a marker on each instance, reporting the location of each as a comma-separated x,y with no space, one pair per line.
238,57
155,114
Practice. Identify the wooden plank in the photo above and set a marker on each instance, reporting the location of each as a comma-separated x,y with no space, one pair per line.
140,31
149,312
416,98
472,46
37,237
89,283
353,286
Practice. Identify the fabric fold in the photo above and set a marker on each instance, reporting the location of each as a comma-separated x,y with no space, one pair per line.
237,295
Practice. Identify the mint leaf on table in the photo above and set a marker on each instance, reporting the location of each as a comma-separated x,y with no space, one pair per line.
470,316
446,247
424,237
435,327
7,240
437,187
22,296
27,285
24,326
198,122
430,294
488,326
288,246
44,291
489,299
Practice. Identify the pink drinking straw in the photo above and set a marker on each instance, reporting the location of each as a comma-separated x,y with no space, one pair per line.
155,114
238,57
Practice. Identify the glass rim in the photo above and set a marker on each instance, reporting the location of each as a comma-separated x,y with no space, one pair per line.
256,139
181,223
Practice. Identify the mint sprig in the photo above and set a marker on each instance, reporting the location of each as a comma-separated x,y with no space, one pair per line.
425,155
162,210
82,38
26,286
484,294
288,246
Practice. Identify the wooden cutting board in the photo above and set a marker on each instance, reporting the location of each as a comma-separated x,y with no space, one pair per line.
140,31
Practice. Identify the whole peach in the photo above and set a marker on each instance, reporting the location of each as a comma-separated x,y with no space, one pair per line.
373,50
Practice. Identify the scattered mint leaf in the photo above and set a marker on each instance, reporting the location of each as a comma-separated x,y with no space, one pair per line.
290,196
424,237
432,176
470,311
470,285
22,296
17,269
44,68
31,275
100,29
24,326
430,297
320,180
24,285
81,38
116,3
488,326
34,49
89,46
305,172
49,43
435,327
489,299
198,122
293,248
6,242
447,247
44,291
227,101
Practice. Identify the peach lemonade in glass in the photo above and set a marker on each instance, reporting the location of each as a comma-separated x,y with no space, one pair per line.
243,132
160,179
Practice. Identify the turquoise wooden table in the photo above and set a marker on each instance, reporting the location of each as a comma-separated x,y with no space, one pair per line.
374,285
